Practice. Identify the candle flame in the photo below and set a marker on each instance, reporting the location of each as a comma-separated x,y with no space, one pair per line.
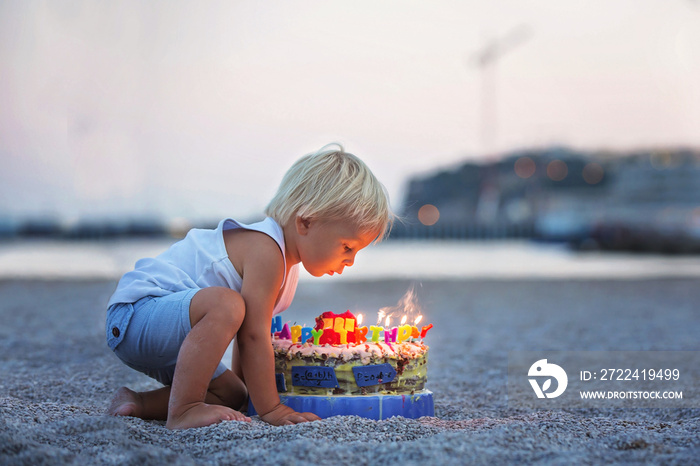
408,307
359,319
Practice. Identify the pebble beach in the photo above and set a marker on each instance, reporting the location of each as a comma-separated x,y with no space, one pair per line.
58,376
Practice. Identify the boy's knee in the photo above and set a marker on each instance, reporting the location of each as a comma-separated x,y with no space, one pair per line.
225,305
231,307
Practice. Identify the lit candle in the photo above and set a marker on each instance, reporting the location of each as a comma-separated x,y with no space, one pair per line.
404,319
296,333
357,335
390,335
415,333
375,332
404,333
418,319
361,334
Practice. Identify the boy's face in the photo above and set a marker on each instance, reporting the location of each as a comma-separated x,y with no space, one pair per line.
327,247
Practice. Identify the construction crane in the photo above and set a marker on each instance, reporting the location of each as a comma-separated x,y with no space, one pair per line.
486,59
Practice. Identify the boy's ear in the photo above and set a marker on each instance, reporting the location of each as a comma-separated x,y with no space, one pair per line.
302,225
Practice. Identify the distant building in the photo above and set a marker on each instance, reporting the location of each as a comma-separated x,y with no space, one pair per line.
561,194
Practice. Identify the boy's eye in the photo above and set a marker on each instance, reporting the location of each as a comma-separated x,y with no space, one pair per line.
347,248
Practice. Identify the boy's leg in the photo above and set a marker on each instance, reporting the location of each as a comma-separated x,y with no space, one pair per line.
144,405
226,390
236,361
216,315
238,372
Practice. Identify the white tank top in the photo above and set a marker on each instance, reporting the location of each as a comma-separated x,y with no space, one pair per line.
199,261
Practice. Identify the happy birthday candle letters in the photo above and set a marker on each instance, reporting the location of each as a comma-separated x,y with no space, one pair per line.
341,329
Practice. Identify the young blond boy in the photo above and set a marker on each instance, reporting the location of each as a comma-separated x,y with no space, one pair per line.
173,316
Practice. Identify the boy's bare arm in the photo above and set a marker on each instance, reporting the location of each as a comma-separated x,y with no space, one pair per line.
263,272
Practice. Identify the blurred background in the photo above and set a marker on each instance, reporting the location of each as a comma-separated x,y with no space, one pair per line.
574,123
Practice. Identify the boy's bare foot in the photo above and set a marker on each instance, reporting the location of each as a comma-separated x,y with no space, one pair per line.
125,402
202,414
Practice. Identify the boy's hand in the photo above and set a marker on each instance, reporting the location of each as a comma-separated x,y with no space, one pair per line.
283,415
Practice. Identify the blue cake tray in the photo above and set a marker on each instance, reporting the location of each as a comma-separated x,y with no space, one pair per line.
376,407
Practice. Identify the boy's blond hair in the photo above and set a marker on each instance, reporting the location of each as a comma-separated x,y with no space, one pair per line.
332,184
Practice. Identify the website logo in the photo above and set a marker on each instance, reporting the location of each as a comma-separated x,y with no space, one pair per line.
542,369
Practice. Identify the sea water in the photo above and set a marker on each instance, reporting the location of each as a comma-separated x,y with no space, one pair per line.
395,259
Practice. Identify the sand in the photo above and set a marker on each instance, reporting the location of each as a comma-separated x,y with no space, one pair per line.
57,375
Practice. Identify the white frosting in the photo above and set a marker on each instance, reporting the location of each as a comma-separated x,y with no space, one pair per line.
365,351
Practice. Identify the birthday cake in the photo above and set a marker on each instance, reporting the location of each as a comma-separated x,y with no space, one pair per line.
338,357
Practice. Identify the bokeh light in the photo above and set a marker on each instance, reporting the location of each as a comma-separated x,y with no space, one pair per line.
557,170
428,215
524,167
593,173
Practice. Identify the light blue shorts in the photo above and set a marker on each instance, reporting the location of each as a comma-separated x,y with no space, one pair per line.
147,335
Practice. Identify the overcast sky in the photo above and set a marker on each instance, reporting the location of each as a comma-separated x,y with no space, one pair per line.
197,108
